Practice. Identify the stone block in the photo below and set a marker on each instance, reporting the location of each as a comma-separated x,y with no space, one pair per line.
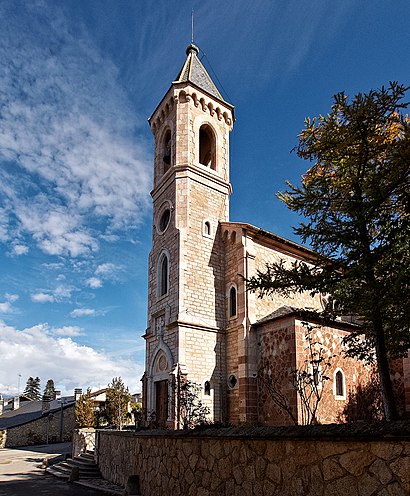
355,462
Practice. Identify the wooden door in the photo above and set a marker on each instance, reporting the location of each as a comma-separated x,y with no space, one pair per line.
161,402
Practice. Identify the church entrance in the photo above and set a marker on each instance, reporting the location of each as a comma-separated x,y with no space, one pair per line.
161,402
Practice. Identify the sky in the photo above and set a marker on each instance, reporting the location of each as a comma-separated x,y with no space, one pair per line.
78,80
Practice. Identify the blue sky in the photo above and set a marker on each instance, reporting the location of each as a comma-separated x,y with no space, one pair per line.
78,80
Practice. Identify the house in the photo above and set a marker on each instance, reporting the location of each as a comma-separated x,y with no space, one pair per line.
203,324
25,422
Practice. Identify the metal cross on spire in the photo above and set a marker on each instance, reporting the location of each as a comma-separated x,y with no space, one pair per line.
192,26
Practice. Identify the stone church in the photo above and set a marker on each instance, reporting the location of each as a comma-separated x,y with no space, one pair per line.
203,324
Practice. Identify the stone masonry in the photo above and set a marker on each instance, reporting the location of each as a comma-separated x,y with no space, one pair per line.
318,461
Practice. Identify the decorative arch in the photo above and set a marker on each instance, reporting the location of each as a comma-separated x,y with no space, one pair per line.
207,146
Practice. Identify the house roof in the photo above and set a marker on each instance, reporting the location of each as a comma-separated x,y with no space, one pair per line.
31,410
304,314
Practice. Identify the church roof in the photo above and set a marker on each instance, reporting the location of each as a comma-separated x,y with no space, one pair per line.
305,314
195,73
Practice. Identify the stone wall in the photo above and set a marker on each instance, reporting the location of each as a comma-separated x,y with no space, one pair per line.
349,460
43,429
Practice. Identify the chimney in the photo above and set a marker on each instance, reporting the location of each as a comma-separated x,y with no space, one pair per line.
77,393
45,406
57,394
1,405
16,402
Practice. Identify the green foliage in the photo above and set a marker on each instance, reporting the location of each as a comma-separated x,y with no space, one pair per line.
33,389
355,199
49,390
192,412
117,401
84,410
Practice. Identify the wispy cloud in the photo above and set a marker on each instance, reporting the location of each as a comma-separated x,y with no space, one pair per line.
67,137
7,305
42,298
59,294
94,282
67,331
40,351
83,312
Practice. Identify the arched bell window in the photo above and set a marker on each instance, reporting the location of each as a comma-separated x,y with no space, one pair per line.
167,151
207,147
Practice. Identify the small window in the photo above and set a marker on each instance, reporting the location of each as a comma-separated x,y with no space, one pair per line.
206,228
206,147
207,388
232,381
232,302
163,275
164,220
339,385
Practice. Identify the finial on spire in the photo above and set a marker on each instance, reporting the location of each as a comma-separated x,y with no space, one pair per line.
192,27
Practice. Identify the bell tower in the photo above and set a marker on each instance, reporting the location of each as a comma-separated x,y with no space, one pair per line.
185,336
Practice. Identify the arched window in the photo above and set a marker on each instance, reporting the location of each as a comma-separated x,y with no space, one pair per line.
163,275
339,385
207,147
232,302
206,228
167,151
207,388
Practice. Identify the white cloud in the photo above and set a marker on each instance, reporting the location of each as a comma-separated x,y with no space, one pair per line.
70,128
19,249
94,282
11,297
106,268
67,331
36,352
42,298
6,306
83,312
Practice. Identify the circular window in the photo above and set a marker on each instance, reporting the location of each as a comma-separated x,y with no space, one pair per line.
232,381
164,220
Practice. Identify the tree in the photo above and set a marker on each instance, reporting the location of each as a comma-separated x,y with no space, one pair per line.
84,410
49,390
355,199
32,389
308,380
191,411
117,401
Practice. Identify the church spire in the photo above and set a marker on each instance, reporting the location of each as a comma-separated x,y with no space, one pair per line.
195,73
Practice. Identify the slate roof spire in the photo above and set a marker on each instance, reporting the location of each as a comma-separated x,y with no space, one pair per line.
194,72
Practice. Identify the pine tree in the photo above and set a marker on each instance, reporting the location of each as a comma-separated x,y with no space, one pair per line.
32,389
84,410
355,199
117,401
49,390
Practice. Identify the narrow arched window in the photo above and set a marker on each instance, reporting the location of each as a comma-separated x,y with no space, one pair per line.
339,385
207,388
207,228
167,151
232,302
163,275
206,147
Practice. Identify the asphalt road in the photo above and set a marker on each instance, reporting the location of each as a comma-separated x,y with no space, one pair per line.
21,475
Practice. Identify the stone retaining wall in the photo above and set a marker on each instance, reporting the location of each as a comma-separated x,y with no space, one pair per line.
337,460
